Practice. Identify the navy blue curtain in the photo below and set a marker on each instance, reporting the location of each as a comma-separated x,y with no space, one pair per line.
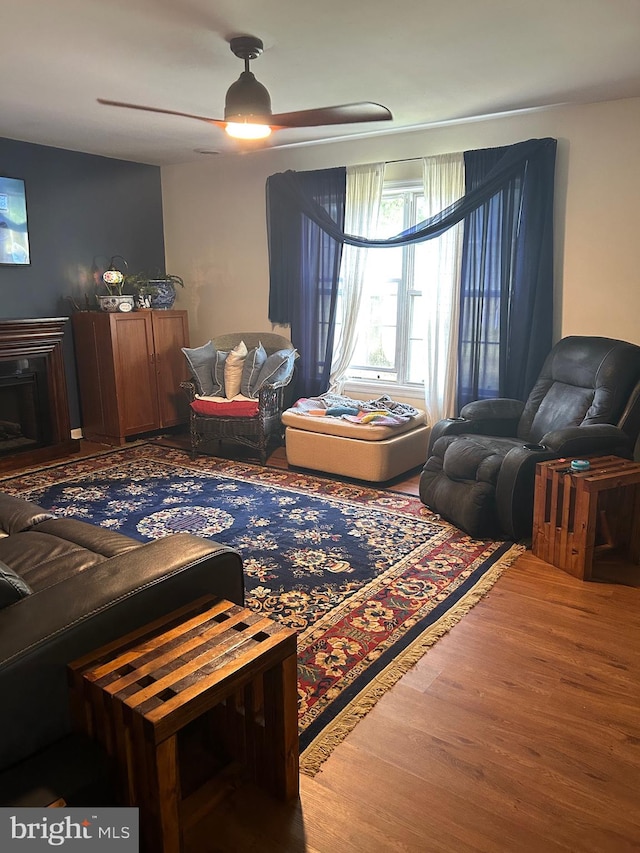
508,287
304,265
506,306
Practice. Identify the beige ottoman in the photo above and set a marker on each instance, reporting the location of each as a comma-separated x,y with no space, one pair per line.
361,451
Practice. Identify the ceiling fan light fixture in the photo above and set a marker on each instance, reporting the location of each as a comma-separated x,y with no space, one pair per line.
247,130
247,98
247,108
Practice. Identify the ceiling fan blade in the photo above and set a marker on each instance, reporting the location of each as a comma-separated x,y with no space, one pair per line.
217,121
341,114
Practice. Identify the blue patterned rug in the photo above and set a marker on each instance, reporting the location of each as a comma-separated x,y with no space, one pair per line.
369,578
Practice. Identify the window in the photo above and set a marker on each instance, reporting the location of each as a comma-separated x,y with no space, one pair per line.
390,346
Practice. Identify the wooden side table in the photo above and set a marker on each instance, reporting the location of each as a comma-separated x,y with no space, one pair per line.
579,516
187,706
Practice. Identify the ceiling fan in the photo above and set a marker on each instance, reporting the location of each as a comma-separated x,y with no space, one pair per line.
247,110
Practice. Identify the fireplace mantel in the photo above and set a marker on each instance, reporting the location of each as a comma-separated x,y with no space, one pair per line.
41,339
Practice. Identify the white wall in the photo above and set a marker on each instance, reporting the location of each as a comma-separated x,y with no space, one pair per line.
215,232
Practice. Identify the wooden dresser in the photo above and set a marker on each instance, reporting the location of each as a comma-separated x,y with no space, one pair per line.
130,367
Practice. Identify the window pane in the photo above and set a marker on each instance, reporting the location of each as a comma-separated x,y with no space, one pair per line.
377,327
416,327
416,349
383,265
426,265
391,217
417,355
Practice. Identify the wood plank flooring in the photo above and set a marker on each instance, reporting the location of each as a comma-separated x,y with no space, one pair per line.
518,732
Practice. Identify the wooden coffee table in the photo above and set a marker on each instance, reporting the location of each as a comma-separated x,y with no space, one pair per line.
188,707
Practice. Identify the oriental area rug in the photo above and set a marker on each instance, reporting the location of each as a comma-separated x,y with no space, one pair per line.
370,579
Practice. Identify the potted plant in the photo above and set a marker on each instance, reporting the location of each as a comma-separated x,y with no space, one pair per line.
154,291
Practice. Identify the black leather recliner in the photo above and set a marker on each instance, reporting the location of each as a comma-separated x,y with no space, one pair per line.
480,467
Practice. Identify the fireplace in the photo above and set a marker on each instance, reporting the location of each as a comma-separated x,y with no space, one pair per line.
34,411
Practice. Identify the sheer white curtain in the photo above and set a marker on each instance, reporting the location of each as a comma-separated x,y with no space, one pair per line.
443,178
362,206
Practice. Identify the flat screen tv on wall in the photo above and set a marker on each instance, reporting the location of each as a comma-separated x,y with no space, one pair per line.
14,235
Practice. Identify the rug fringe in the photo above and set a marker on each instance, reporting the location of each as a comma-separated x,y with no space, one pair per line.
321,748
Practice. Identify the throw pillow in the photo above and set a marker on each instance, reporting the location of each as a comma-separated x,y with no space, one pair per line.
12,587
218,375
233,370
201,361
276,368
256,357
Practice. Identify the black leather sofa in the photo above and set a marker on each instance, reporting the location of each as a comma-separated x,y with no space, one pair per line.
68,587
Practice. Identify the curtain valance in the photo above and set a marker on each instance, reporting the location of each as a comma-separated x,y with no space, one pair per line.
288,191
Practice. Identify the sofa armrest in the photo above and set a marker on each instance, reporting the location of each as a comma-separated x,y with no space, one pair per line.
496,407
45,631
516,487
593,439
447,426
16,514
499,416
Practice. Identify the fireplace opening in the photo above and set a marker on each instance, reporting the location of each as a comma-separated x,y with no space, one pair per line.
24,420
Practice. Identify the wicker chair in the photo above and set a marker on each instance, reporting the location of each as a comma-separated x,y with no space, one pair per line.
258,430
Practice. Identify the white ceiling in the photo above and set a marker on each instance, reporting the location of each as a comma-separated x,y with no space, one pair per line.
428,61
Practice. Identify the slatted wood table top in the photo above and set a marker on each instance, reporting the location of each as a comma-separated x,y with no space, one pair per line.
165,678
606,472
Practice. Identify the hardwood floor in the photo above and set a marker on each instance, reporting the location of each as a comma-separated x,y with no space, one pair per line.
518,732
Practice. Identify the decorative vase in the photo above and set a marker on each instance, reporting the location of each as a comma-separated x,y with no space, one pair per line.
116,303
165,294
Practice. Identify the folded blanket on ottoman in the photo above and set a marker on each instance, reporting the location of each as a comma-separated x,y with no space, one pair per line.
382,411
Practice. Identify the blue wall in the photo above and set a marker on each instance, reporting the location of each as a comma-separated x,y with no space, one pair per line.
79,207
